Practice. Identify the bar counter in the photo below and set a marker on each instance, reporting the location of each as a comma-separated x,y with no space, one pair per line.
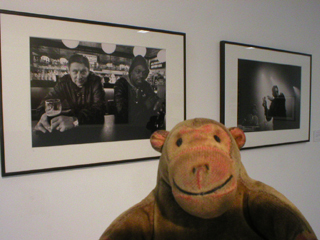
107,132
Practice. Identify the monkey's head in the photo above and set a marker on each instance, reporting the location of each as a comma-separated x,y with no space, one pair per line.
200,161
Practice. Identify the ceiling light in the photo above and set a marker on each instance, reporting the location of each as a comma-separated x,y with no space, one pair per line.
108,47
70,43
139,51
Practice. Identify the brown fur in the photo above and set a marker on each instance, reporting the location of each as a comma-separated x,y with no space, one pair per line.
204,192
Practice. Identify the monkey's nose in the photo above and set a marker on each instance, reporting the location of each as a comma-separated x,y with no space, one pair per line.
200,174
202,168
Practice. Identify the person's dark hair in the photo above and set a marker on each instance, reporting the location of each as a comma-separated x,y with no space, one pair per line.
79,59
138,60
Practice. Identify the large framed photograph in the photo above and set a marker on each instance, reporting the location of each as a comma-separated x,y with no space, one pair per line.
265,92
79,93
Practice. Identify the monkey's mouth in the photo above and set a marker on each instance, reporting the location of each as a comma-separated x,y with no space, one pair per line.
202,193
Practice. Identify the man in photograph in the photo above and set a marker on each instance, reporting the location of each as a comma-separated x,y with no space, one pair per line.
82,97
277,109
136,102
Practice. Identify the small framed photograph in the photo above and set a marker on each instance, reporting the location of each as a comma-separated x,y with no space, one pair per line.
78,93
265,92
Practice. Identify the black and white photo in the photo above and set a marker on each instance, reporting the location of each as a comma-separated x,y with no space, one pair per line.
107,92
268,96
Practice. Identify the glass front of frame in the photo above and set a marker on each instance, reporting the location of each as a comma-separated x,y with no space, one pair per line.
111,49
265,92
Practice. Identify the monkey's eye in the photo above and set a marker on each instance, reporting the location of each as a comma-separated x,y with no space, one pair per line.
179,142
217,138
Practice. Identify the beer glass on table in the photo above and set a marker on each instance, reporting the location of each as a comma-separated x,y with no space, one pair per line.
53,108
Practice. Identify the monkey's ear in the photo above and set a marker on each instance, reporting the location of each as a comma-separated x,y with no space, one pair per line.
239,136
158,138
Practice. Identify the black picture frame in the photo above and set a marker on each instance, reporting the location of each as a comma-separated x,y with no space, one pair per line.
19,153
266,92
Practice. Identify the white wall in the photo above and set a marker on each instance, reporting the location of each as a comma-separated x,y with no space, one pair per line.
81,203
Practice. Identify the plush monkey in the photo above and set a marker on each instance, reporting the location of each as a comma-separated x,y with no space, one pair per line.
204,193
